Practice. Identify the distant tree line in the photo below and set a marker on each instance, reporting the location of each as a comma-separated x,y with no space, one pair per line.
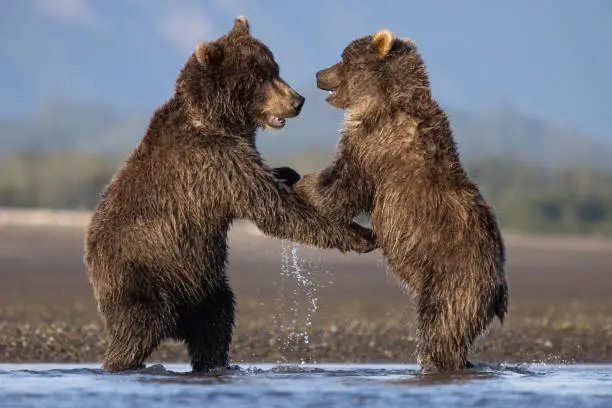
527,197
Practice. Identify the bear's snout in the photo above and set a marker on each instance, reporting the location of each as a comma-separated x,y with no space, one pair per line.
297,102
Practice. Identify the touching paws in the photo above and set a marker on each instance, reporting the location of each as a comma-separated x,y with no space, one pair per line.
364,240
286,175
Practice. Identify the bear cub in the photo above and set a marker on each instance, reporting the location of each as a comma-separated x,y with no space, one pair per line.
398,163
156,246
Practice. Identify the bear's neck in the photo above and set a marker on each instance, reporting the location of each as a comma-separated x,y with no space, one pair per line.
219,120
176,115
422,126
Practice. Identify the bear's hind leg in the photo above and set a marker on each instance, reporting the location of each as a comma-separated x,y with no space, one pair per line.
207,329
133,334
446,330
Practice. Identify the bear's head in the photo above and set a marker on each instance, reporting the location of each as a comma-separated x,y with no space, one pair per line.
376,70
235,81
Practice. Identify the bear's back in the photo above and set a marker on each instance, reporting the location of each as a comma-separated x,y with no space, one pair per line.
172,191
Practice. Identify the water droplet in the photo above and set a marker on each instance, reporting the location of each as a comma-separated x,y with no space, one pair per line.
298,304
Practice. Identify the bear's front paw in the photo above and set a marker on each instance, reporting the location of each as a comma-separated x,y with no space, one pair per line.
364,239
286,175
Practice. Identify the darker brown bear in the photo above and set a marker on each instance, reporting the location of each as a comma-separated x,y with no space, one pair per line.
397,162
156,245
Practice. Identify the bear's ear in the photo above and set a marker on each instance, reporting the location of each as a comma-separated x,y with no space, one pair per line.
208,53
241,26
381,42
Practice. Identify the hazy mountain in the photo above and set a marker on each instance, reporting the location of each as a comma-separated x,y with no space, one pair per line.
505,131
502,131
61,126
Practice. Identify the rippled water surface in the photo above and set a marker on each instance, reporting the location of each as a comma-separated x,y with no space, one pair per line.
318,385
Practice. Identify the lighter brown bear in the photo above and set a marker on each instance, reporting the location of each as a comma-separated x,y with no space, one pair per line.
397,162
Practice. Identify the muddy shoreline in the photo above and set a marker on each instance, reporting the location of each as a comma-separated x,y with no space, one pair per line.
560,310
577,334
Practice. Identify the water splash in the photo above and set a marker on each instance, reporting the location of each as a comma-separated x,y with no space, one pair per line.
297,304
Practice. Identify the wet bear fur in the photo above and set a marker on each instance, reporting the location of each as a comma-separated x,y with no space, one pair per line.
398,163
156,246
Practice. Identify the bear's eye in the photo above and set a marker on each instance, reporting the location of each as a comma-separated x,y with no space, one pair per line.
266,77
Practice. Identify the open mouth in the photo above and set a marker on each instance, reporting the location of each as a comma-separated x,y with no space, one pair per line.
276,122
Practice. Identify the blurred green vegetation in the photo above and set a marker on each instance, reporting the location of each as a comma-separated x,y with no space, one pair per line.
54,180
527,197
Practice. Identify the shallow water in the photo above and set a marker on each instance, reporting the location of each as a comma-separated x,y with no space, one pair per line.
320,385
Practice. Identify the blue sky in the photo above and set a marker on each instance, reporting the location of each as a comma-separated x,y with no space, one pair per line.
550,58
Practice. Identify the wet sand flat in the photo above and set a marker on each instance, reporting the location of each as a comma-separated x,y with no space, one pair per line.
561,305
